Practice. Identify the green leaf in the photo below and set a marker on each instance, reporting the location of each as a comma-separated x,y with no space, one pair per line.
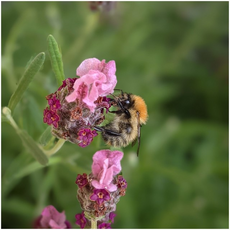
27,170
21,167
56,59
32,147
47,139
27,77
27,140
19,162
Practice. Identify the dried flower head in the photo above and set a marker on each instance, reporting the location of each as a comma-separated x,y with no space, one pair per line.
81,103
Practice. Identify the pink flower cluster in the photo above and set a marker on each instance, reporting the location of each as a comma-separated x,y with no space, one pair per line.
81,103
51,218
106,165
97,79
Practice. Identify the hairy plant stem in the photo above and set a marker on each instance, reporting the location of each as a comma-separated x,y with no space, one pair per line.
7,112
93,224
56,147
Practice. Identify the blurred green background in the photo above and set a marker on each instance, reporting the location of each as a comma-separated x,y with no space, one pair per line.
175,56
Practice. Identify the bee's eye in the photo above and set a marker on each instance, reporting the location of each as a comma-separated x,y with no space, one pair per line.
127,102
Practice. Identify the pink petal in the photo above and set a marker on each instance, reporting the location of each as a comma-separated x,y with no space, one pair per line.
72,97
98,160
60,217
115,159
54,225
96,185
103,171
49,213
93,197
88,64
108,176
112,187
96,168
110,68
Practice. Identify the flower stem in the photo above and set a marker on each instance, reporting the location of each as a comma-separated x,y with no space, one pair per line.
56,147
7,112
93,224
27,140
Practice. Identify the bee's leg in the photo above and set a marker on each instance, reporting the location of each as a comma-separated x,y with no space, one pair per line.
107,131
123,109
115,111
126,111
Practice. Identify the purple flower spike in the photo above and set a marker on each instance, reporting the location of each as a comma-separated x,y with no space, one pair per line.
122,182
81,180
100,195
54,103
112,215
50,117
104,226
80,220
85,137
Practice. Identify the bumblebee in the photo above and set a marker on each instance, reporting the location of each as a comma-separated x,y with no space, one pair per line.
125,128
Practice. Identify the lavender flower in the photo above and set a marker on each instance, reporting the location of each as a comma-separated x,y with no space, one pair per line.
112,215
104,226
85,137
100,195
100,203
122,182
50,117
80,103
51,218
54,103
81,220
81,180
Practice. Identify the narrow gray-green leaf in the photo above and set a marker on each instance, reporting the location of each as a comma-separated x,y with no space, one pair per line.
56,59
32,147
19,168
46,137
27,77
34,166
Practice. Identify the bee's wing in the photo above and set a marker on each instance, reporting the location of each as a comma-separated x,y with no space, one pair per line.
138,134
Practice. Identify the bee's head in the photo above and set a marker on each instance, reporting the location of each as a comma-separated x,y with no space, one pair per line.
124,98
140,106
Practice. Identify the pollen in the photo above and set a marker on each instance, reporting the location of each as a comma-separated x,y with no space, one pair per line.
141,107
